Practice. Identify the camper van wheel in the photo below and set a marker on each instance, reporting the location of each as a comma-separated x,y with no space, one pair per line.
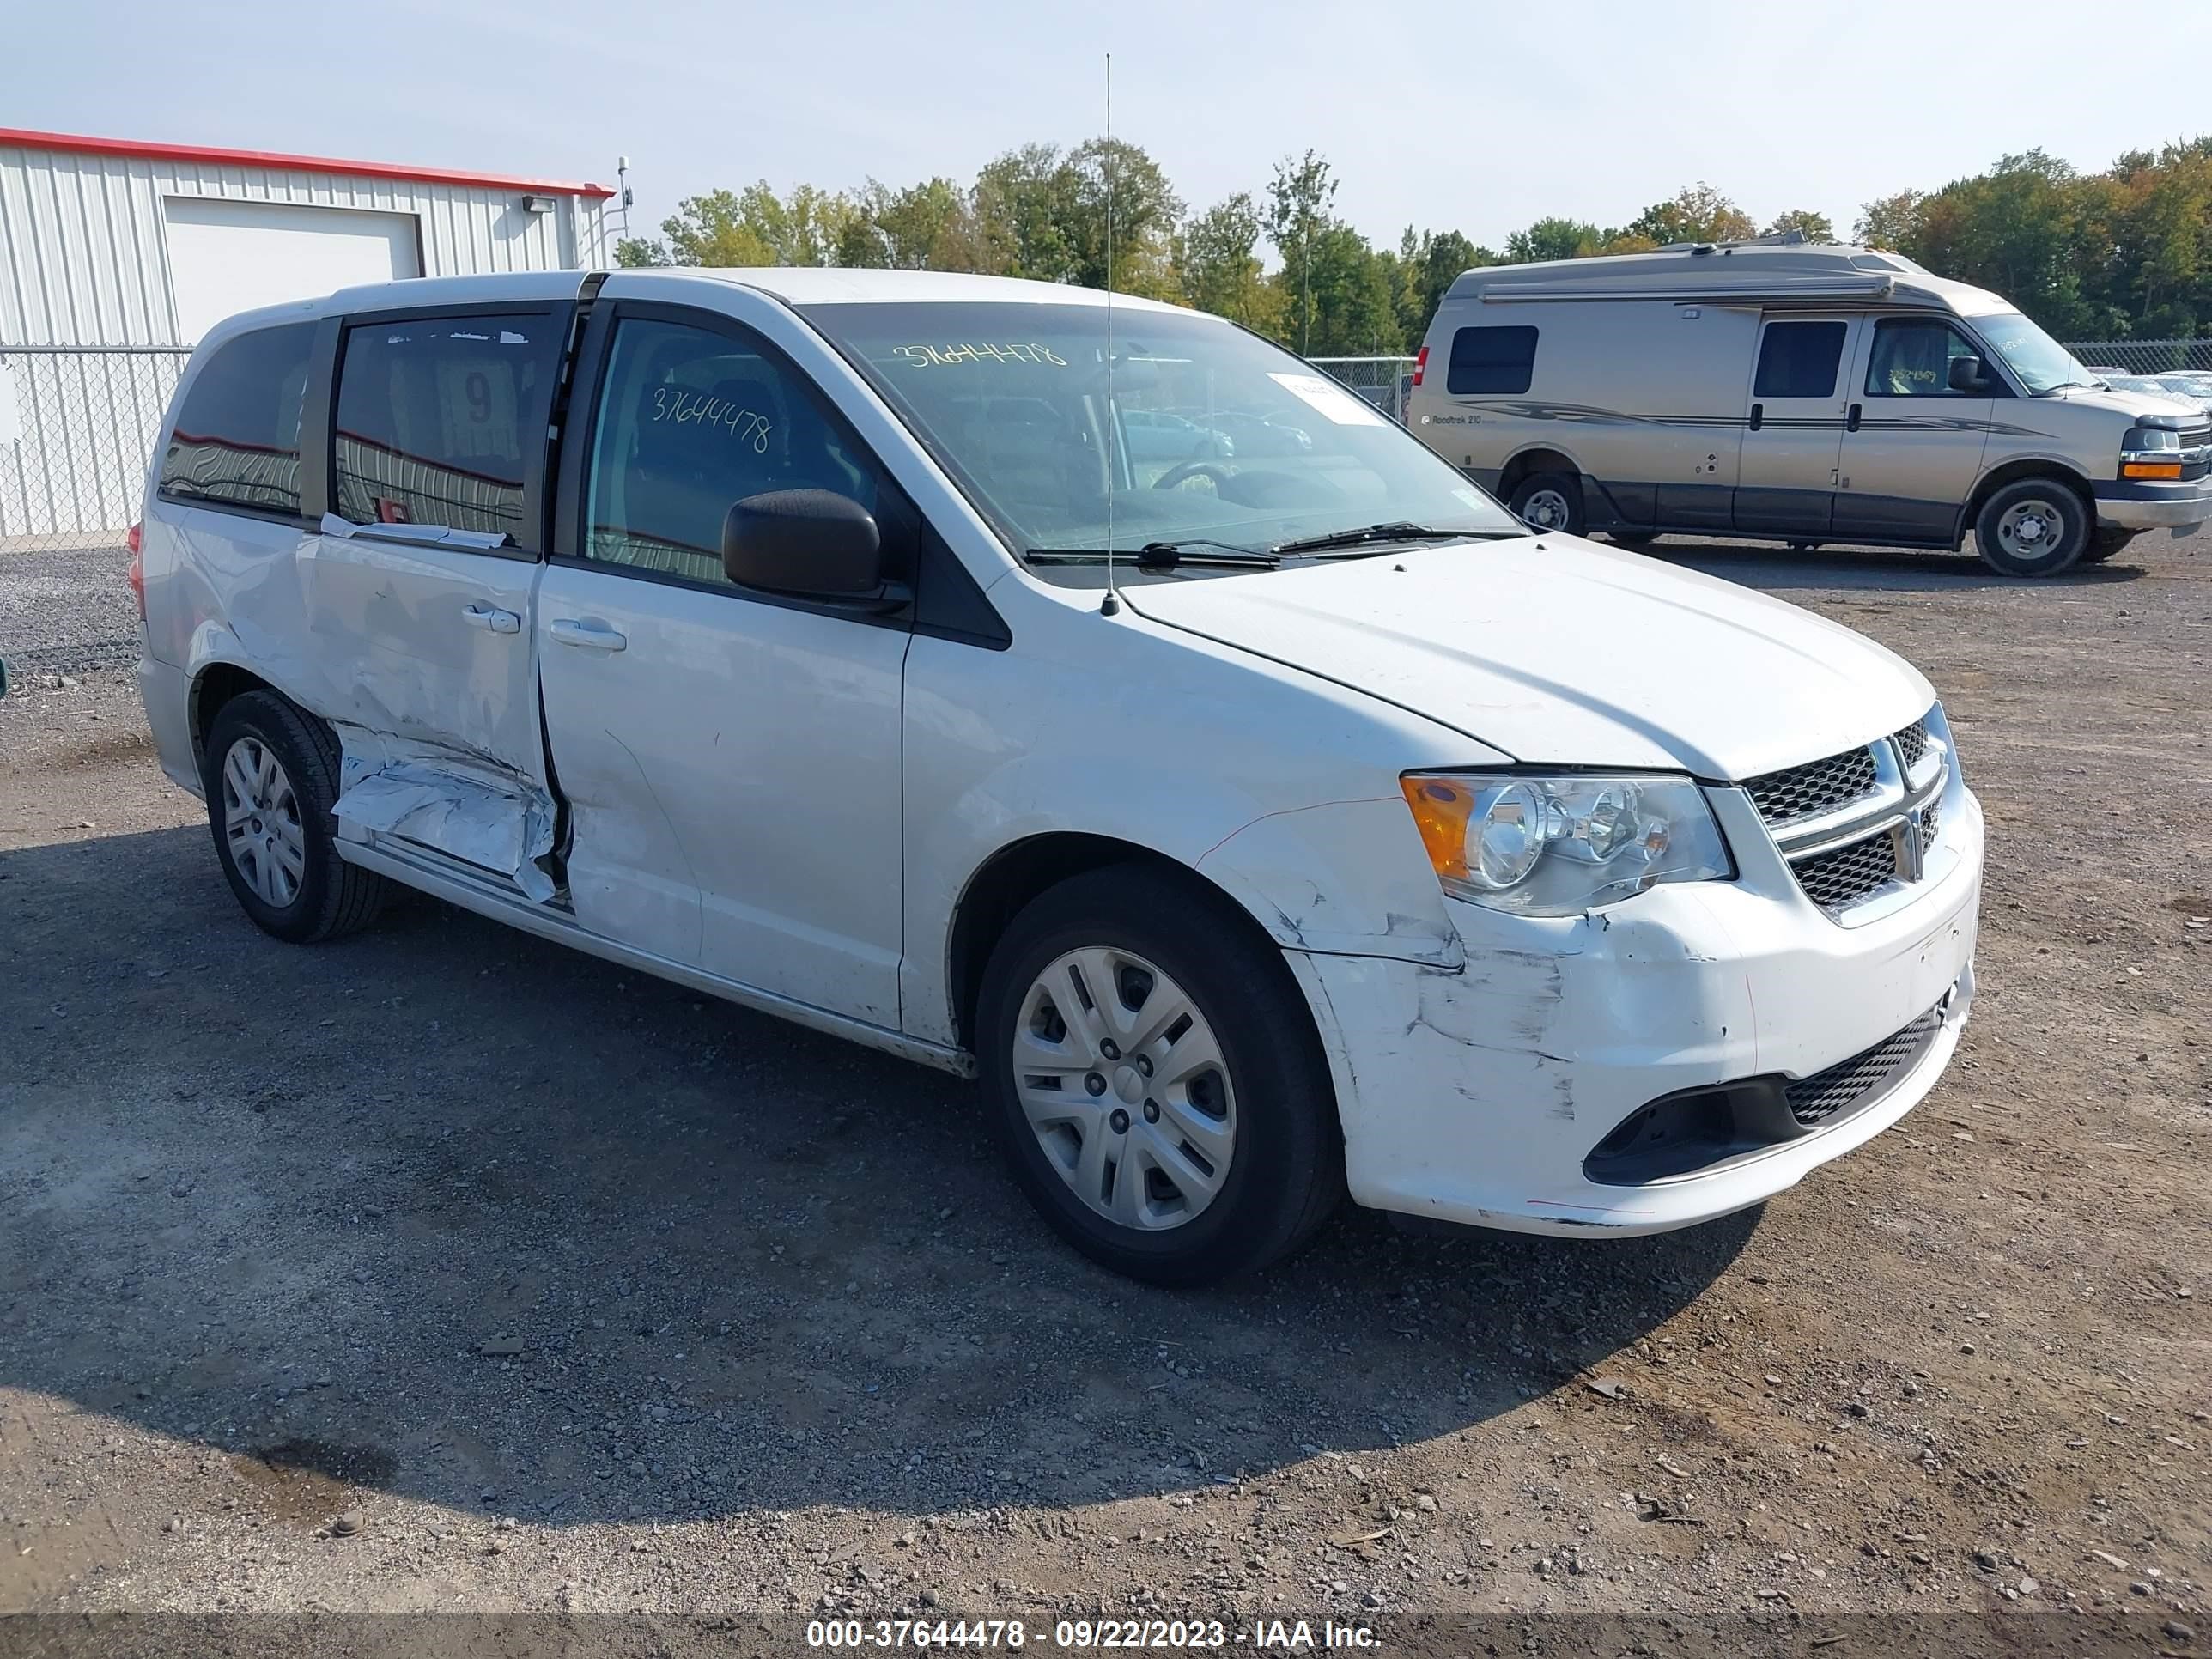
2032,527
1549,500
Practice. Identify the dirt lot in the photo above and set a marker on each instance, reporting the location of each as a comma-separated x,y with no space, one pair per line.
441,1268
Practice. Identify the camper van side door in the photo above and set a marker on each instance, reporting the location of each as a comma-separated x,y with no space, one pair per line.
1794,425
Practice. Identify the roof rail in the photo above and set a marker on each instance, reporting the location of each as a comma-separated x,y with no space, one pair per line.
1780,239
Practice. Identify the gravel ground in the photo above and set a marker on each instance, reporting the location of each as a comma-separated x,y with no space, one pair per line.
65,610
442,1269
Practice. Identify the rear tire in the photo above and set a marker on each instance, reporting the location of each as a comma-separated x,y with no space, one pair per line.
1549,500
1175,1179
271,775
2033,527
2106,544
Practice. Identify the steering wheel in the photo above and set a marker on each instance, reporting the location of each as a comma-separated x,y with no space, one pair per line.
1175,475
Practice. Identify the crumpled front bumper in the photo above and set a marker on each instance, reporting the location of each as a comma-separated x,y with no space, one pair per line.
1478,1094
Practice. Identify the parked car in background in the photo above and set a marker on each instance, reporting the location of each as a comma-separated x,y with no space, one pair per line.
1255,828
1240,431
2147,386
1155,435
2192,386
1811,394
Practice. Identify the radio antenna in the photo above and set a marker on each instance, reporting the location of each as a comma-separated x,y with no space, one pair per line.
1111,605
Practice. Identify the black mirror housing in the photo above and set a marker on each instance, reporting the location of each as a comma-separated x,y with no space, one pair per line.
1966,374
804,543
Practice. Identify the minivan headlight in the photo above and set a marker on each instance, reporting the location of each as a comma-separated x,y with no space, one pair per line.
1552,847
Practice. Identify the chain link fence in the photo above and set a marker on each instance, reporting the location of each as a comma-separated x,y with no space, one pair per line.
2145,356
1380,380
77,426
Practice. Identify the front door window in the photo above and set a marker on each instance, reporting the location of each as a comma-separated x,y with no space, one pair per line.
1912,356
691,421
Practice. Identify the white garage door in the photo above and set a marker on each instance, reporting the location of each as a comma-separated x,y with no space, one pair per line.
226,257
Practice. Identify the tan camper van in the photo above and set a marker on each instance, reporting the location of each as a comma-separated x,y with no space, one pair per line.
1786,391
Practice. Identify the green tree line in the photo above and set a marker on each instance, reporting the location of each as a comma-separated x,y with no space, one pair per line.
2123,252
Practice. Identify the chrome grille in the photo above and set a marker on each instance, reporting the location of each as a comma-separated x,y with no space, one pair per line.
1854,823
1911,744
1820,1097
1836,880
1821,786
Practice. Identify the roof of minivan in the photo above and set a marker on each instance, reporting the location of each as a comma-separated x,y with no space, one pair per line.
823,285
1724,271
799,285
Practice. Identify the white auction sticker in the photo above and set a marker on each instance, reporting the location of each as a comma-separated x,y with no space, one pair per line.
1330,399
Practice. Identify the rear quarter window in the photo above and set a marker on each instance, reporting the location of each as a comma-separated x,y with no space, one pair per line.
437,417
236,442
1492,359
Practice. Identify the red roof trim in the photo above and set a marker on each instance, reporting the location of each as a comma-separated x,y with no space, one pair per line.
265,158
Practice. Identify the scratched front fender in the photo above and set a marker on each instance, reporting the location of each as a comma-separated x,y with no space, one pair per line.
1478,1094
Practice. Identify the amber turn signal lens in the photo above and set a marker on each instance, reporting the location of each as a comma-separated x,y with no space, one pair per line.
1441,810
2151,470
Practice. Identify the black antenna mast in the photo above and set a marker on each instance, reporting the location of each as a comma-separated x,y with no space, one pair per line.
1111,605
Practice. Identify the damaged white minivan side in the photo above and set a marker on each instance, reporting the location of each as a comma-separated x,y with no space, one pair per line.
1104,704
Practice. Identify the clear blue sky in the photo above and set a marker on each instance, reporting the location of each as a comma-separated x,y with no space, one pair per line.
1461,114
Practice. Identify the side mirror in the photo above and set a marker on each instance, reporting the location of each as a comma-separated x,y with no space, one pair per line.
807,543
1966,374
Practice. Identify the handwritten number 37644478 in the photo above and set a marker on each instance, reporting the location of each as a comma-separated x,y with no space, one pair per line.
934,356
681,408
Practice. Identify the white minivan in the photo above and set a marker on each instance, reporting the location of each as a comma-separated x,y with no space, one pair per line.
1279,821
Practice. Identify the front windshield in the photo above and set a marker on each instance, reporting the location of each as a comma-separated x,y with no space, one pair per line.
1213,437
2041,363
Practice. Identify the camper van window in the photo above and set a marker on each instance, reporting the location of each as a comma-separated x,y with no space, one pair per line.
1492,360
1798,360
1912,358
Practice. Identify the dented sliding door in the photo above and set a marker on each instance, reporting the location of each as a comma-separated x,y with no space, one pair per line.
422,585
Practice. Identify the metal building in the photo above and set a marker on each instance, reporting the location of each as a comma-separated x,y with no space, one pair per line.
115,255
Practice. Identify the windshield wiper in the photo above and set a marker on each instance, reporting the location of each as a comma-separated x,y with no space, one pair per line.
1398,531
1160,556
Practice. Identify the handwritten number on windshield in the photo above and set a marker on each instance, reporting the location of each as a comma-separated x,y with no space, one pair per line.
928,357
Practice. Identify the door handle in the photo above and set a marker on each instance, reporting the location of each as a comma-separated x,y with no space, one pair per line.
1851,420
492,619
1758,414
594,636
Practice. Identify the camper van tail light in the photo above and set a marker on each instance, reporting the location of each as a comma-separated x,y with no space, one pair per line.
1421,363
135,541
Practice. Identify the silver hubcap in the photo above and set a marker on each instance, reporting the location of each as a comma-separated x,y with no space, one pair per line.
261,822
2030,529
1546,510
1125,1087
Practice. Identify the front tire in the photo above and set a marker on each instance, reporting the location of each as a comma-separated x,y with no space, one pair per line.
2107,543
2033,527
1549,500
1156,1080
271,775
